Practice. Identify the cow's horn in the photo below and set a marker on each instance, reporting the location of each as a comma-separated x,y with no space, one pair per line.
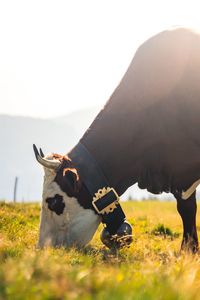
41,153
50,164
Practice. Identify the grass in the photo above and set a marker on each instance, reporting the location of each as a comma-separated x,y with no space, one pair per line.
152,268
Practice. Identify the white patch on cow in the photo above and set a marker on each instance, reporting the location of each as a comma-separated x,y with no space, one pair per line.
186,194
74,227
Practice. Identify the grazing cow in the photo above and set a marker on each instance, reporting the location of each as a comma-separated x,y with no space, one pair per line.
147,133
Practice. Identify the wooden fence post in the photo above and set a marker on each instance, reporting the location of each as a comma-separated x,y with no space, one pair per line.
15,190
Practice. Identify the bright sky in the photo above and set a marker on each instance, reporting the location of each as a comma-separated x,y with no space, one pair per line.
60,56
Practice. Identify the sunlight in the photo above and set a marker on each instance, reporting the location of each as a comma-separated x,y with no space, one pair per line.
75,53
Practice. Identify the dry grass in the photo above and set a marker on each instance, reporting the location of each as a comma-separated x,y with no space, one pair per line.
152,268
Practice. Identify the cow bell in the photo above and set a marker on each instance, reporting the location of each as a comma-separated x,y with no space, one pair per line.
122,238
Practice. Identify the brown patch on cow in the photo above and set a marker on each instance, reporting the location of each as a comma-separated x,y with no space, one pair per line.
59,157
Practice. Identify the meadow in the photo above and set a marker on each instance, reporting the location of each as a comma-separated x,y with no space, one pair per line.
152,268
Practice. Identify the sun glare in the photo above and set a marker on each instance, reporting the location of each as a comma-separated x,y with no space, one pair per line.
74,53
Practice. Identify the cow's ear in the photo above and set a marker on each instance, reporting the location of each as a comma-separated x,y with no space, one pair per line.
71,178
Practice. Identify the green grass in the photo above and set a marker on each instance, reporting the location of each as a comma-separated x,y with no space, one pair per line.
152,268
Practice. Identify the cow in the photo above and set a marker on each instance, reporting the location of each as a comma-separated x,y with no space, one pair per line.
147,133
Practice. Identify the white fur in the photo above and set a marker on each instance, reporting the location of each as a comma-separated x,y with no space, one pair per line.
74,227
190,191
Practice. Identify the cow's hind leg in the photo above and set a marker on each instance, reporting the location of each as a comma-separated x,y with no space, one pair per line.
187,210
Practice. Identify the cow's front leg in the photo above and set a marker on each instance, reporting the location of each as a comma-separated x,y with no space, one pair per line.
187,210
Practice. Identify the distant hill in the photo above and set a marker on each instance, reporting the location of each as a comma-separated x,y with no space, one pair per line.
17,134
80,120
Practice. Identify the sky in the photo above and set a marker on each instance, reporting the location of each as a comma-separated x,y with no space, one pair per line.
61,56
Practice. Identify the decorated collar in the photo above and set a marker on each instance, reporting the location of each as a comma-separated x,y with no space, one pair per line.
105,199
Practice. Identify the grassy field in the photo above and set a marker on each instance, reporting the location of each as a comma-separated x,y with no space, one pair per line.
152,268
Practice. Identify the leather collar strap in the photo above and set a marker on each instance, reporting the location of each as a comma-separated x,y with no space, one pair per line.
95,180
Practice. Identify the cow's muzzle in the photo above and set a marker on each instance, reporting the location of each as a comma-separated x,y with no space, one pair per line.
122,238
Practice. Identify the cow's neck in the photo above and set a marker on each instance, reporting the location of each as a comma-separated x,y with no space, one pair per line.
114,136
109,142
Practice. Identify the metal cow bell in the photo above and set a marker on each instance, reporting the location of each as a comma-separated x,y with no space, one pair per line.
122,238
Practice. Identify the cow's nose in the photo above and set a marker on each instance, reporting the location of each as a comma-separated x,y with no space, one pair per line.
122,238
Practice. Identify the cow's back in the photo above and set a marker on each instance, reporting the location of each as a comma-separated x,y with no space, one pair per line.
152,119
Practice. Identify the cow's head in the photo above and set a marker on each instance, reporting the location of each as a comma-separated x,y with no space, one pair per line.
64,220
